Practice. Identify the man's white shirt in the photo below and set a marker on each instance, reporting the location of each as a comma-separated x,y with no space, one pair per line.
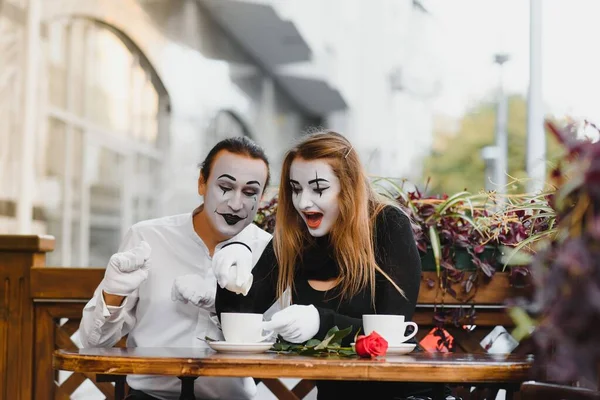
151,319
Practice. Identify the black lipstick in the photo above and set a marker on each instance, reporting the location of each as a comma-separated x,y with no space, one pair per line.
231,219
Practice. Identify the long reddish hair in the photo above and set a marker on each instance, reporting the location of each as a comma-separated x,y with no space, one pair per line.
352,234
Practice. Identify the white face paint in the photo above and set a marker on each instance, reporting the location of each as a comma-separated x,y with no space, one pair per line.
233,191
315,190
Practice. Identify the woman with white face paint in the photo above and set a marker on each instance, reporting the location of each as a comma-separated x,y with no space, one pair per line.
341,249
159,289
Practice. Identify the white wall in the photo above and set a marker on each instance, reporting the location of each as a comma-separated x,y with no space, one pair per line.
361,43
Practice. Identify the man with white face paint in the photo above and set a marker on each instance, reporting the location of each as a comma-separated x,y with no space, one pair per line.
160,288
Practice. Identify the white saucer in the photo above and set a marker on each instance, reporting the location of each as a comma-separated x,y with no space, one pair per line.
248,348
403,348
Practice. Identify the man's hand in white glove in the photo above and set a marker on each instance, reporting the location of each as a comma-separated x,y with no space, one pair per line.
126,271
232,266
295,323
194,289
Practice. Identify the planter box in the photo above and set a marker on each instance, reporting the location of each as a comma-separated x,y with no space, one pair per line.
462,259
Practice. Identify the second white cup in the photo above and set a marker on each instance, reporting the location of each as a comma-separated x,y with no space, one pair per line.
391,327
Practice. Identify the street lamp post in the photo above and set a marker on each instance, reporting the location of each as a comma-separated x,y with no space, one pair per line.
501,168
536,139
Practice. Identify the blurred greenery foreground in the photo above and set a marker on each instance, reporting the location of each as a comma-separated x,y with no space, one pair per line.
548,242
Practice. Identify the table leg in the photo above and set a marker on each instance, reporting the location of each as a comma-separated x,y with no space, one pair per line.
510,392
187,388
439,391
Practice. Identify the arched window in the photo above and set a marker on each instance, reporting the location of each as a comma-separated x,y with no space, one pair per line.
224,124
100,154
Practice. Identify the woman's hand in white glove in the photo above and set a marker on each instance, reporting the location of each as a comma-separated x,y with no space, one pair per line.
295,323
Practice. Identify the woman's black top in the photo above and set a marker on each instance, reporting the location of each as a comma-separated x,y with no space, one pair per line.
395,252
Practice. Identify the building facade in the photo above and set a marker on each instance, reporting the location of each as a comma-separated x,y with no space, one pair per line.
107,106
127,98
380,54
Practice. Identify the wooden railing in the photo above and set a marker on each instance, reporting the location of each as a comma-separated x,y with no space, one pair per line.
40,309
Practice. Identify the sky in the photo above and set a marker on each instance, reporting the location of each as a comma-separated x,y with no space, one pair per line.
470,32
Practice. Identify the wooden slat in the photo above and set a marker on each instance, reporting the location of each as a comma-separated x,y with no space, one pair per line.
44,346
65,283
465,340
497,291
279,389
483,317
304,387
71,310
107,389
72,382
71,326
16,326
63,341
50,283
26,243
5,283
61,394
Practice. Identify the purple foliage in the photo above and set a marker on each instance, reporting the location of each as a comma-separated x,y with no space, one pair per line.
567,272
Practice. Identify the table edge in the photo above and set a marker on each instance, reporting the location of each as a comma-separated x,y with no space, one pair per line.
518,371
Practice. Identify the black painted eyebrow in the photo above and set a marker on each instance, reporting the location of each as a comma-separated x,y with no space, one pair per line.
317,180
227,176
294,182
253,183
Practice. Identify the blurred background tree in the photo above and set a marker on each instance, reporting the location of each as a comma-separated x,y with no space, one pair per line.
455,163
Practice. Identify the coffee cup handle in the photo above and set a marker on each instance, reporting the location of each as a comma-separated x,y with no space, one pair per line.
414,332
268,336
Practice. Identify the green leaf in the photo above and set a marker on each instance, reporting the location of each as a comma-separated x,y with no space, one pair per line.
332,331
531,239
331,346
209,339
524,325
346,352
452,200
470,220
334,338
309,351
357,334
436,247
281,347
340,335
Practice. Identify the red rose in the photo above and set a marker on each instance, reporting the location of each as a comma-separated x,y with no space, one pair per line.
371,346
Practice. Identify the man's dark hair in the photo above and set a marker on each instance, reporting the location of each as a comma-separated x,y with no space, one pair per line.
241,145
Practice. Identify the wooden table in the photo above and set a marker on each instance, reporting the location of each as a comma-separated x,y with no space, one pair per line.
190,363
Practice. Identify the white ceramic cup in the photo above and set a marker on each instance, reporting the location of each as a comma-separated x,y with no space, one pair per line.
243,327
391,327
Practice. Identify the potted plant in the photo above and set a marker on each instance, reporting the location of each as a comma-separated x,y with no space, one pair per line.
564,314
462,237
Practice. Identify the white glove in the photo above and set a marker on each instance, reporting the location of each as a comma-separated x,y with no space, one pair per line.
295,323
232,266
126,271
194,289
